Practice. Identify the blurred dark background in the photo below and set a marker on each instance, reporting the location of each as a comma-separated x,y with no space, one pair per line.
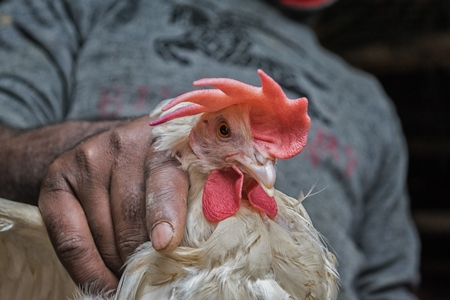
406,45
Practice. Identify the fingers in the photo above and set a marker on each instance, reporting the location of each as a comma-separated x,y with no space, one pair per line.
128,209
128,205
92,190
96,205
166,196
70,235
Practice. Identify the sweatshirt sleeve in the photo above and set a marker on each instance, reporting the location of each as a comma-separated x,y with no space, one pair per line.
39,43
387,236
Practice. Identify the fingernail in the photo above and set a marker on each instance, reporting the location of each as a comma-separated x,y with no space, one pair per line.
162,234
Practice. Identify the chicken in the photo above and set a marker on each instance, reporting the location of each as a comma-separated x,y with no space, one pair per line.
243,239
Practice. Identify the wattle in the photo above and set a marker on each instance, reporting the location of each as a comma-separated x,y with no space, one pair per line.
222,195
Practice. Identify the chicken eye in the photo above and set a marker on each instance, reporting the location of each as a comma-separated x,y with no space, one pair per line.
223,130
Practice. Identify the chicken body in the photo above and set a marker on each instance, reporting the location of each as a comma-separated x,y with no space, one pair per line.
247,255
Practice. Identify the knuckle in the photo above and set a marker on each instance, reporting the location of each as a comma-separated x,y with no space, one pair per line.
84,155
117,139
161,188
122,140
128,244
77,256
71,249
125,139
160,163
55,177
130,235
64,170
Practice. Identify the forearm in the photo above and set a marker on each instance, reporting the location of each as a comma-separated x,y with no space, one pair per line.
25,154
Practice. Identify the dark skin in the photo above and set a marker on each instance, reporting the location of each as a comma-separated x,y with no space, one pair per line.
101,190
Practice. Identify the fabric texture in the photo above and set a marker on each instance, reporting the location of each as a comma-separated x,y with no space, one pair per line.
102,59
305,4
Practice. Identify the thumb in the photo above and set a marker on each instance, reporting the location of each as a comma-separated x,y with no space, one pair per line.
166,196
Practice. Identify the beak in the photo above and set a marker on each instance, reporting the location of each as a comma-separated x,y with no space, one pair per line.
261,168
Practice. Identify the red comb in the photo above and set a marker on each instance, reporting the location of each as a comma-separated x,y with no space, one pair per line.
278,124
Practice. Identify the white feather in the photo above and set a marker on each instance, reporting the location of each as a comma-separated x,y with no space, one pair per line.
29,268
247,256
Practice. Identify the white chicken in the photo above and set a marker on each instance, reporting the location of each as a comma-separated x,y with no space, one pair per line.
243,239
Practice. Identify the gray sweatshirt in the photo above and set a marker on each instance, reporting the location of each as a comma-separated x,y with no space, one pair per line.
102,59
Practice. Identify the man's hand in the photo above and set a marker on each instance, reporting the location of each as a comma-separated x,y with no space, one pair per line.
106,196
